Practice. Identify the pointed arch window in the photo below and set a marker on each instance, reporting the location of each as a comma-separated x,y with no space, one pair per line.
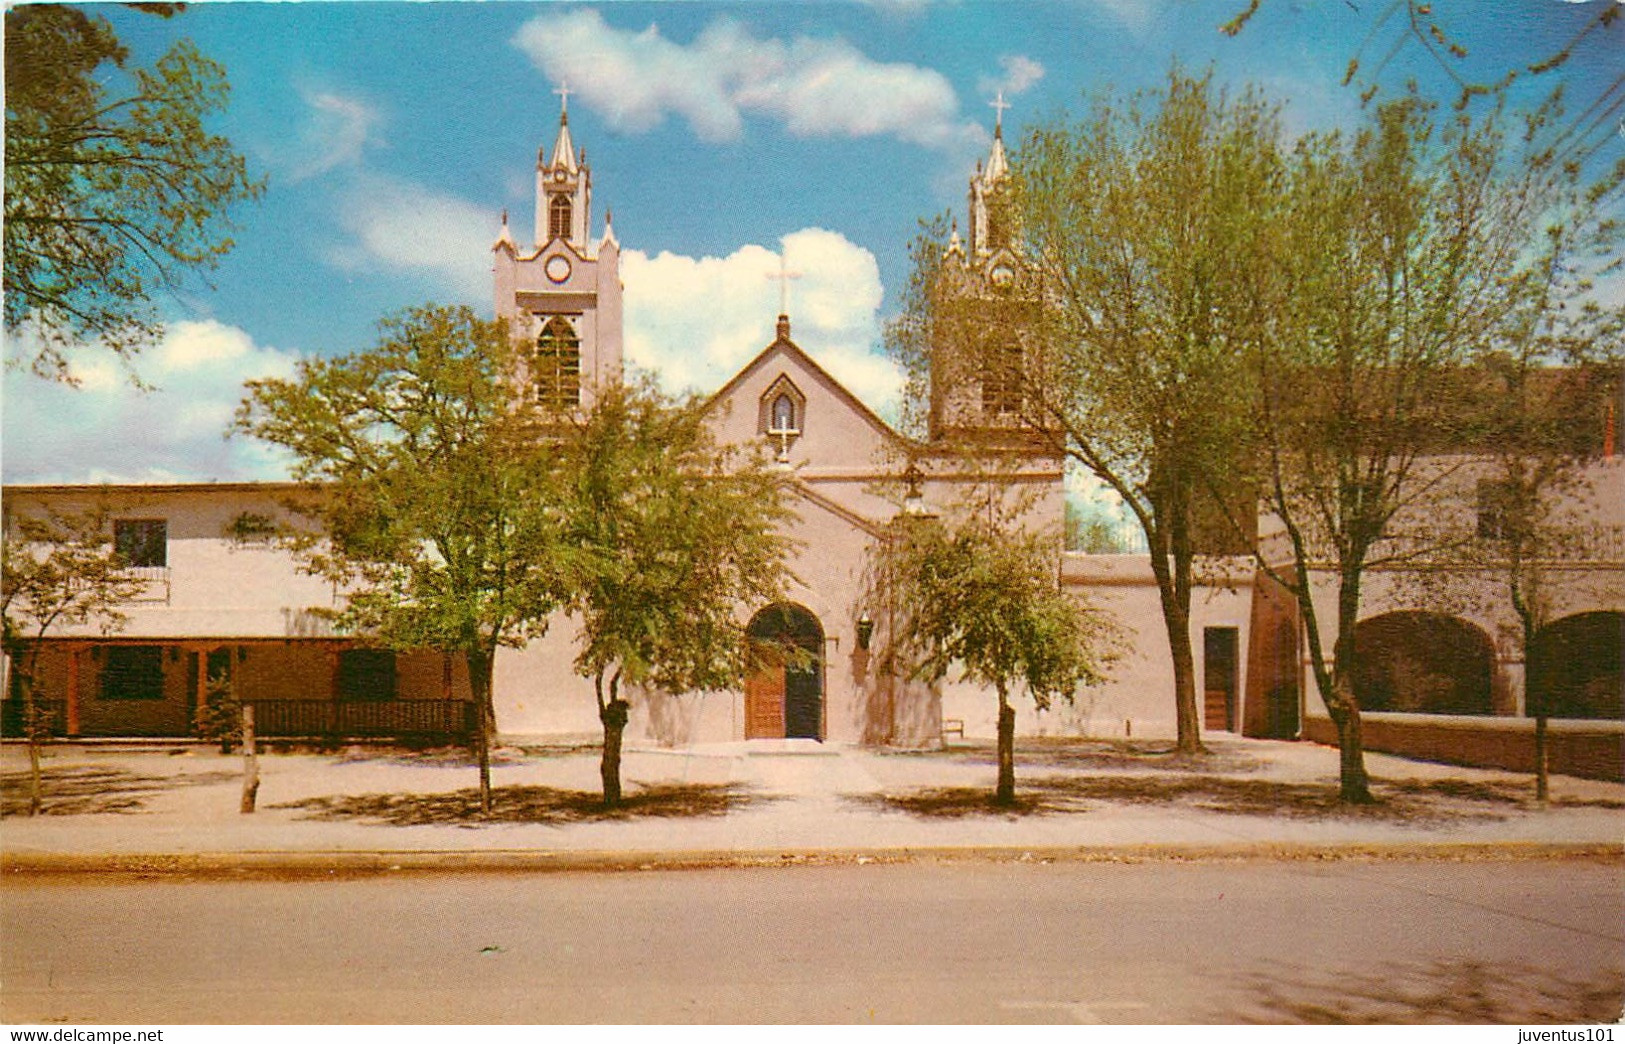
556,368
558,218
783,419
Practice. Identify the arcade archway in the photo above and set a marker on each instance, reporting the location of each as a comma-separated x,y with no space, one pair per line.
1574,663
1424,663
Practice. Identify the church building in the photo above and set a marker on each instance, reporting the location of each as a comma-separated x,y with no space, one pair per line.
219,599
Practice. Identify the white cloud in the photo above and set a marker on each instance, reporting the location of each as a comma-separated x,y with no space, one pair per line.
108,430
1137,16
338,130
817,87
1017,73
390,223
401,226
696,321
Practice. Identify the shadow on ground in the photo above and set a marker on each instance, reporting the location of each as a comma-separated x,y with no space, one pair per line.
1104,755
88,791
529,804
1429,802
1457,991
427,757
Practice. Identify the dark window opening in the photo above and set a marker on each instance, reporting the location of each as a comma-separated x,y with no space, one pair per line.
1495,504
558,218
142,543
133,672
1001,380
557,365
366,674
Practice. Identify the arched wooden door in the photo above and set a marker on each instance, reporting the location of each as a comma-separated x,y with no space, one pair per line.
784,696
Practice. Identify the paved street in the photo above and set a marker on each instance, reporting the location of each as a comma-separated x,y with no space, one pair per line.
915,942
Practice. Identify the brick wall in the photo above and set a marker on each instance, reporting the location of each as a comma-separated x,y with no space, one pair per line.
1590,749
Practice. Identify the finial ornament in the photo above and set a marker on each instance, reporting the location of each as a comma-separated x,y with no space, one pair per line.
563,91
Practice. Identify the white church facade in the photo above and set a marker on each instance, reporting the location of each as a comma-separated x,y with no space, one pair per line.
220,598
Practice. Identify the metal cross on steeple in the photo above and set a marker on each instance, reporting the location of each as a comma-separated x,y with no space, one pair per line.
563,91
784,275
998,105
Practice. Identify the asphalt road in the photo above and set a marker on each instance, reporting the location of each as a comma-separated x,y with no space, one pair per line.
1517,941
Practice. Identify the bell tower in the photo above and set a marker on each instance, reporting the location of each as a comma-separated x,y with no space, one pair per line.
562,294
979,362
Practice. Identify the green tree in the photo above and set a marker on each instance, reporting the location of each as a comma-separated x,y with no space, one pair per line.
675,532
109,194
978,593
435,500
1403,256
1137,233
1555,365
59,570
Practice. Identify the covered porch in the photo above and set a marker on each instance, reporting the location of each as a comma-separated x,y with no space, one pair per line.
321,689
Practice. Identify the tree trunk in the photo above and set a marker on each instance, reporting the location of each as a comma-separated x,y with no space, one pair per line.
251,761
1005,794
1355,786
31,728
35,789
614,716
1542,759
1176,618
1344,705
479,680
1534,695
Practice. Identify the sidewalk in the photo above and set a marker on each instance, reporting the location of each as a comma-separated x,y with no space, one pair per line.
154,808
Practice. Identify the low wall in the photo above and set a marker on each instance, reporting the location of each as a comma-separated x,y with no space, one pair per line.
1589,749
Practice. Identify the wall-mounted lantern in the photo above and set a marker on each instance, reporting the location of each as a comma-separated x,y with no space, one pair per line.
913,502
866,631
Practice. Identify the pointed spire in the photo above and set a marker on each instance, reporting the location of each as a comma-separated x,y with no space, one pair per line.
956,246
609,230
505,237
997,163
564,152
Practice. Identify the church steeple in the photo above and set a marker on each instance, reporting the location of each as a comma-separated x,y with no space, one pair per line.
562,297
985,234
563,188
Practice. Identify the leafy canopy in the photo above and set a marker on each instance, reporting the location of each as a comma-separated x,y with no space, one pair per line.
677,532
435,501
109,194
987,598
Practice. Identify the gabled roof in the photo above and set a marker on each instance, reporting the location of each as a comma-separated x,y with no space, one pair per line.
783,344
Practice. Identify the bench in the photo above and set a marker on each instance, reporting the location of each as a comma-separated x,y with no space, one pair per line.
954,726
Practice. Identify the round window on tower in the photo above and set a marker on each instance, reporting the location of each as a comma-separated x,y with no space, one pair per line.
558,268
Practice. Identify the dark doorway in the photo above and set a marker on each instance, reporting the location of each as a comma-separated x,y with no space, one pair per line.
1219,680
784,696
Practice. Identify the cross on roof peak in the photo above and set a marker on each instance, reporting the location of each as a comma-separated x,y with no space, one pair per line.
998,105
563,91
784,275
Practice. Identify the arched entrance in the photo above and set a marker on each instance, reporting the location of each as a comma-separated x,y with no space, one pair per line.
1575,663
1425,663
784,694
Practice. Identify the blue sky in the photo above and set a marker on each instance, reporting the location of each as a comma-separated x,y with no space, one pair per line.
722,137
